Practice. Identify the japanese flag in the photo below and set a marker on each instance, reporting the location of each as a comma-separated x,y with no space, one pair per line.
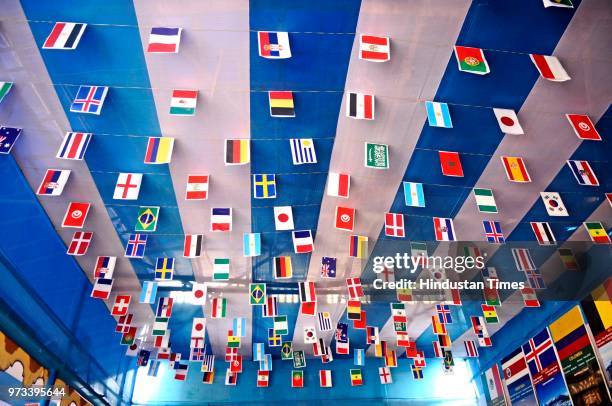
283,218
508,121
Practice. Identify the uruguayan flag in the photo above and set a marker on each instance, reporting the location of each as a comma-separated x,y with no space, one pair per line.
303,151
252,244
438,114
413,194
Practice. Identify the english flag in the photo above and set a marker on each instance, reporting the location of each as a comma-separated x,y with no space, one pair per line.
127,186
345,218
74,146
508,121
338,184
76,213
583,127
283,218
394,225
444,230
451,163
197,187
549,67
374,49
53,182
360,106
65,36
192,247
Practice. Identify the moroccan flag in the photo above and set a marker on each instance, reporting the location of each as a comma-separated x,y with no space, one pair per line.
515,169
237,152
471,60
451,164
281,104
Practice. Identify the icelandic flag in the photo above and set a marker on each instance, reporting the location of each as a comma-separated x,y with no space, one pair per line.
53,183
493,231
149,292
164,40
438,114
89,99
413,194
273,45
443,228
136,246
539,352
8,136
251,244
74,146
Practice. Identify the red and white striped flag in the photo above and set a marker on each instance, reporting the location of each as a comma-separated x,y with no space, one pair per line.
374,49
470,348
338,184
549,67
197,187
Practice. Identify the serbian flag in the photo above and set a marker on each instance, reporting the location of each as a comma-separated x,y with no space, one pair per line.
471,60
53,182
273,45
451,163
374,49
583,127
338,184
549,67
515,169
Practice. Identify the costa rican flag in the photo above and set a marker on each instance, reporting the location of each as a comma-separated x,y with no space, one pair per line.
443,228
470,348
89,99
164,40
302,241
522,259
583,173
273,45
74,146
53,183
374,49
394,225
64,36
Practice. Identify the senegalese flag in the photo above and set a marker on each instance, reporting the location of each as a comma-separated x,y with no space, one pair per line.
489,313
471,60
281,104
237,152
257,293
147,218
356,378
597,232
4,89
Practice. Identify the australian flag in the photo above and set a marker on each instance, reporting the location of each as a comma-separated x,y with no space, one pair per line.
143,358
328,267
89,99
342,333
8,136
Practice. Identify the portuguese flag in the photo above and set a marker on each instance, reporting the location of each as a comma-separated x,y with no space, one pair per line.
471,60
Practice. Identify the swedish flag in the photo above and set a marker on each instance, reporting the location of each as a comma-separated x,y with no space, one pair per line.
264,186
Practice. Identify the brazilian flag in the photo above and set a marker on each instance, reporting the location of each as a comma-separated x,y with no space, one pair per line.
147,218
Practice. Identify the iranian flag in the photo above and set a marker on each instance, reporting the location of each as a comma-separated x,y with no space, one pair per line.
183,102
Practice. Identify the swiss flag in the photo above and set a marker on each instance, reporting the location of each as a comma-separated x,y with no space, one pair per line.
394,225
451,164
583,127
345,218
76,214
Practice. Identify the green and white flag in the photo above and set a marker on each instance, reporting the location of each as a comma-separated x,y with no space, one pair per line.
299,359
376,156
183,102
221,269
281,326
485,200
4,89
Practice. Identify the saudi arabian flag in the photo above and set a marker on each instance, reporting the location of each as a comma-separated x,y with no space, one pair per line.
221,269
4,89
485,200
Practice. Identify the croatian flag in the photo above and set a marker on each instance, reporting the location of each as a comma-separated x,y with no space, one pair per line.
163,40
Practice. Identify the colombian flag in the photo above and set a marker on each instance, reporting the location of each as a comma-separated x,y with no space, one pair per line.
358,247
159,150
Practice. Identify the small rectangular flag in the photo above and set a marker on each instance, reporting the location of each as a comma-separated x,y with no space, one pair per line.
89,99
164,269
451,163
338,184
530,298
274,340
74,146
237,152
149,292
325,378
221,219
231,378
597,232
192,248
218,307
549,66
583,173
270,308
257,294
198,327
147,218
136,245
360,106
353,310
376,156
485,200
251,244
281,104
508,121
438,114
281,325
239,326
302,241
358,246
413,194
303,151
297,379
553,203
64,36
198,294
159,150
183,102
164,307
444,314
493,232
444,229
471,60
355,289
345,218
122,303
470,348
273,45
263,378
105,267
197,187
522,259
160,326
558,3
489,313
283,218
53,182
374,49
583,127
258,351
76,214
307,292
568,259
5,87
265,365
127,186
543,233
356,378
164,40
324,319
102,288
8,137
359,356
516,171
328,267
221,269
394,225
372,335
264,186
282,268
286,351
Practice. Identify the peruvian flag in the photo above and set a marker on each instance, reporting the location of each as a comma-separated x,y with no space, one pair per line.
338,184
583,127
549,67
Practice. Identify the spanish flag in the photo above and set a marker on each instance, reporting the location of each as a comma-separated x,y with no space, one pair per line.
515,169
281,104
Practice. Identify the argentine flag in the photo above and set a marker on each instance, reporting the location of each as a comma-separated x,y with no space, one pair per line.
438,114
251,244
413,194
149,291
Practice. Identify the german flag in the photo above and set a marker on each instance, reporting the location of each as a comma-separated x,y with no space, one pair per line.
237,152
281,104
282,267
